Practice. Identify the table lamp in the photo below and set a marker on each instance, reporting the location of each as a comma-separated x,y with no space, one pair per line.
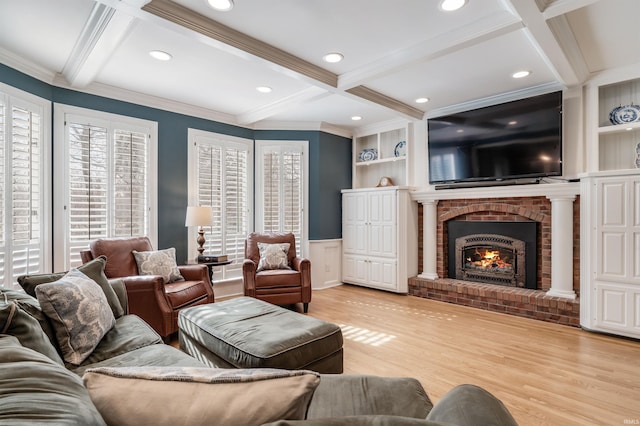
199,216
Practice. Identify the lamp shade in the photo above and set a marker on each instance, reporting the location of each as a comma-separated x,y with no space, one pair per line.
199,216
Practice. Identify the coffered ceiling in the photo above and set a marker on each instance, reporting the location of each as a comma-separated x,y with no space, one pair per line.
394,52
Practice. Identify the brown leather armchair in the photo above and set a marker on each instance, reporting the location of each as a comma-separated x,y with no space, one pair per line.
149,297
277,286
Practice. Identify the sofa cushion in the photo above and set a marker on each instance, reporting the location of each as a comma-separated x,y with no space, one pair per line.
79,313
199,396
470,405
16,322
368,395
273,256
380,420
35,390
129,333
94,269
152,355
159,262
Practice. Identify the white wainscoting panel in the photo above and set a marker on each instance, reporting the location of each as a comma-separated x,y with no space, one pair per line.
326,263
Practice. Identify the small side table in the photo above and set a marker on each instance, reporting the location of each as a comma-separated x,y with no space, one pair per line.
210,266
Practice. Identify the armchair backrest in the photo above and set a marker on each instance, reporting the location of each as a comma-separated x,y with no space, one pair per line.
120,260
251,250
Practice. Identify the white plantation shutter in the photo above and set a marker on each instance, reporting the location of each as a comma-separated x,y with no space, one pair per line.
281,197
22,198
108,173
222,180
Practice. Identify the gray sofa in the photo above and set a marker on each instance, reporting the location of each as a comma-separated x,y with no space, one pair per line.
37,386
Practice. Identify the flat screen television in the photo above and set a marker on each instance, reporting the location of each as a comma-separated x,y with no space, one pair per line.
504,142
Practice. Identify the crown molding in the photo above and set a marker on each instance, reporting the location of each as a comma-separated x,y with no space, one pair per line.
137,98
320,126
22,65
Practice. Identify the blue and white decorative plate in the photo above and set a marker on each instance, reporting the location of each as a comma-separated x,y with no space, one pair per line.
625,114
401,149
368,154
638,156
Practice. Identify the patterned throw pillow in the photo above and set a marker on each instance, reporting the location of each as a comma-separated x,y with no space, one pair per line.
79,313
199,396
273,256
160,262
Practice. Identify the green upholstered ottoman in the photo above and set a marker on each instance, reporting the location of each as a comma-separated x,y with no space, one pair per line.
249,333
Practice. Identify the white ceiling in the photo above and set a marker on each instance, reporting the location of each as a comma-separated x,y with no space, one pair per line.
395,52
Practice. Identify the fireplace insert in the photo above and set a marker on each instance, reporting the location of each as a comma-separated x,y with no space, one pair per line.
501,253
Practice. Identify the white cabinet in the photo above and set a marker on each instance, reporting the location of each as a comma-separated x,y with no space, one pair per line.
379,232
610,252
382,151
613,146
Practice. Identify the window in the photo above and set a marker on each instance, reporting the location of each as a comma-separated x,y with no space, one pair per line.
221,177
108,187
281,202
24,203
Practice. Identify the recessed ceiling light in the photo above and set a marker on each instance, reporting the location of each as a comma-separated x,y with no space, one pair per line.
521,74
356,118
451,5
333,57
221,5
512,123
459,131
422,100
160,55
264,89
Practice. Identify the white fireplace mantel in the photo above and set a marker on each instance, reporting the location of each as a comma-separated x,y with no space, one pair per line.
561,196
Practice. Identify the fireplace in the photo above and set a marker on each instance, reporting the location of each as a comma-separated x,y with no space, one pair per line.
501,253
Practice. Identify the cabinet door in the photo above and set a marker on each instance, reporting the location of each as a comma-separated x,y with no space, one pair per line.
382,223
382,273
355,269
355,228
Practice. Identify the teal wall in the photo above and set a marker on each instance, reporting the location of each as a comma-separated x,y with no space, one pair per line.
329,159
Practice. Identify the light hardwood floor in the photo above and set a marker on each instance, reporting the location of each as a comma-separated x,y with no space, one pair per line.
546,374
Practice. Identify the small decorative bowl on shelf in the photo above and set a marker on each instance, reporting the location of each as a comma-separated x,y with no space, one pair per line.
368,154
625,114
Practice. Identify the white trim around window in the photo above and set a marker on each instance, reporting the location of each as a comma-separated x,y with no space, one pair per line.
64,115
32,254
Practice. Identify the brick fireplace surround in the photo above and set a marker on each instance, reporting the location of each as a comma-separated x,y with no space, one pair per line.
555,207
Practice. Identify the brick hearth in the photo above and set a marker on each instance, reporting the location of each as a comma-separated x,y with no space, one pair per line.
535,304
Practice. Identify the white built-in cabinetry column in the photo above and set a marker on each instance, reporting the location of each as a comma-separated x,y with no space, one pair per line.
562,246
429,239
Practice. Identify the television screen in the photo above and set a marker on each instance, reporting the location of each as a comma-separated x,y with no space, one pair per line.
518,139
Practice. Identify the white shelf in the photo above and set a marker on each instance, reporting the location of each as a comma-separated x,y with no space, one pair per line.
612,147
367,174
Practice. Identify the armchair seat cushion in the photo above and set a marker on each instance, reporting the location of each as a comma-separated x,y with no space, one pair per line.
277,278
185,293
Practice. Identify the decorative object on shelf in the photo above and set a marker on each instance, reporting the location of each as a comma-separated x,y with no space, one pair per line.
384,181
401,149
368,154
199,216
625,114
638,156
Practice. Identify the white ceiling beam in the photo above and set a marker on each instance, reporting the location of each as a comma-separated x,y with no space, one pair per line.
479,31
105,28
560,7
309,94
546,44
